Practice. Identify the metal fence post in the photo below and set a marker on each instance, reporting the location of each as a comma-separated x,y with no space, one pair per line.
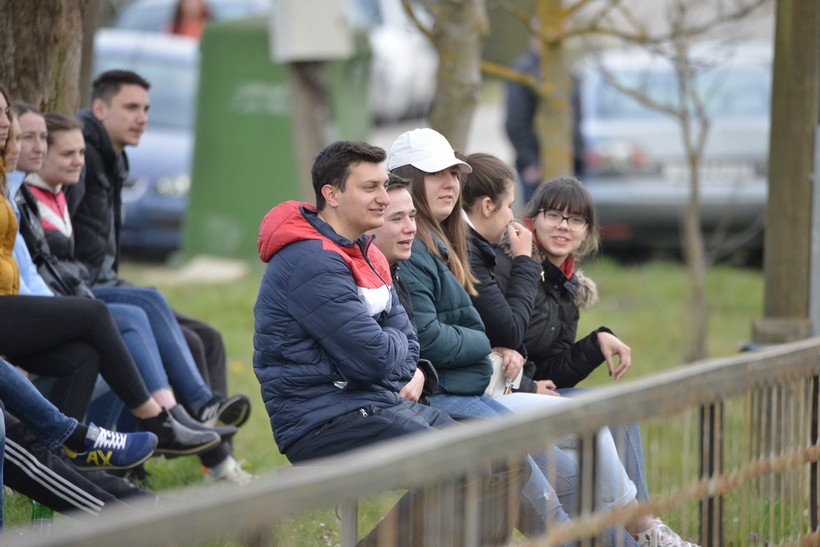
813,486
711,466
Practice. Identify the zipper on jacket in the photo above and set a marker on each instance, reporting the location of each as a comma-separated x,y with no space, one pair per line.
364,248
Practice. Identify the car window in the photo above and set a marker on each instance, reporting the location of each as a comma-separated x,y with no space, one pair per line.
741,91
173,89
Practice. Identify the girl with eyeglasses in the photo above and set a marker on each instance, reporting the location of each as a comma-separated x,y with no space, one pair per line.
526,288
565,227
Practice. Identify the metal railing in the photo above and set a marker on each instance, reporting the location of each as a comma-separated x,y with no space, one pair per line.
731,450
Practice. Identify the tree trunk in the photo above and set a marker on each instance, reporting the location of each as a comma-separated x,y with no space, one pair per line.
554,117
41,50
795,89
696,270
459,32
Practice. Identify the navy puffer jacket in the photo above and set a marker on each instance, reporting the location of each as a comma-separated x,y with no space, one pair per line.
330,335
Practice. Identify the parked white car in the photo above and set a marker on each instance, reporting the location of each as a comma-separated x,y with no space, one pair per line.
403,69
634,161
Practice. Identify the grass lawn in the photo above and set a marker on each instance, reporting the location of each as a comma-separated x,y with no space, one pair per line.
645,305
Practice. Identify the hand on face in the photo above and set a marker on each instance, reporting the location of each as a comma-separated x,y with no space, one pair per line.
520,239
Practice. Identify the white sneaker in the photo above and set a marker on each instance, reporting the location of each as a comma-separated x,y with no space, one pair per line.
660,535
230,471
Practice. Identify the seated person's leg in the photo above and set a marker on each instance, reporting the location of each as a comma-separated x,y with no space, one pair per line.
629,445
208,351
44,420
175,355
33,470
364,427
106,409
75,366
2,451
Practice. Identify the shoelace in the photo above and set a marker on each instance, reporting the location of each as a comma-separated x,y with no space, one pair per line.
110,440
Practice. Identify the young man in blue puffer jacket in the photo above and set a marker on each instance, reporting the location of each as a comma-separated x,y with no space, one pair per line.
335,352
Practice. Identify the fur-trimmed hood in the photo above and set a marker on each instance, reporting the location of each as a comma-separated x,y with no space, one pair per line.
584,289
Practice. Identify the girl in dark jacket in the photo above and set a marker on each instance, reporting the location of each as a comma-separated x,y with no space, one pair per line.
564,220
517,302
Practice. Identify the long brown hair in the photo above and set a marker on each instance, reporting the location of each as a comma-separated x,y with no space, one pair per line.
490,178
452,230
3,183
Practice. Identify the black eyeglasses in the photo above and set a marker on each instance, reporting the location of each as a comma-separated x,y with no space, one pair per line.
555,218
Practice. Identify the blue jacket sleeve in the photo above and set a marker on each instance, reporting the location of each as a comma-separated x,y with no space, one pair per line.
325,302
398,319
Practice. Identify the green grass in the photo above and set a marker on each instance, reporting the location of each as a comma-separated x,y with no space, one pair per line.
644,304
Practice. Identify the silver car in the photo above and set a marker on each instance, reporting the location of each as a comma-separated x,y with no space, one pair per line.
634,161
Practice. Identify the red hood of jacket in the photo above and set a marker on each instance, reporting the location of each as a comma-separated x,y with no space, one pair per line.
283,225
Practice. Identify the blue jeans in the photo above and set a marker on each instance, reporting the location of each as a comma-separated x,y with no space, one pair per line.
629,444
170,342
22,399
540,504
132,323
552,482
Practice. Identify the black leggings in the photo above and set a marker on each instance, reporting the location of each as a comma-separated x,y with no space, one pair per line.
72,339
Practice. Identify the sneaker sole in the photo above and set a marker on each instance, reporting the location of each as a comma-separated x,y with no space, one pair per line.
235,414
114,467
175,452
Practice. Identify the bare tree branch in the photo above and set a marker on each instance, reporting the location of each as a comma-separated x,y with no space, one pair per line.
490,68
640,35
408,9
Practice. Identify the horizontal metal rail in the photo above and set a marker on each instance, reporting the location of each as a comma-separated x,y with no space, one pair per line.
250,513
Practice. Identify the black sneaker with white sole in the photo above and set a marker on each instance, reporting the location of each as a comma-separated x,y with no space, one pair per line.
234,411
177,440
182,416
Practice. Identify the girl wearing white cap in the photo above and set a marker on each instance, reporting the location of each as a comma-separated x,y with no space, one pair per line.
451,333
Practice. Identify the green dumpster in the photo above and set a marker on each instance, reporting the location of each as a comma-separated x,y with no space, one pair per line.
259,126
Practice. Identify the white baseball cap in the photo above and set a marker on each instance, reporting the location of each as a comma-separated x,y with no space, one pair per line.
426,149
